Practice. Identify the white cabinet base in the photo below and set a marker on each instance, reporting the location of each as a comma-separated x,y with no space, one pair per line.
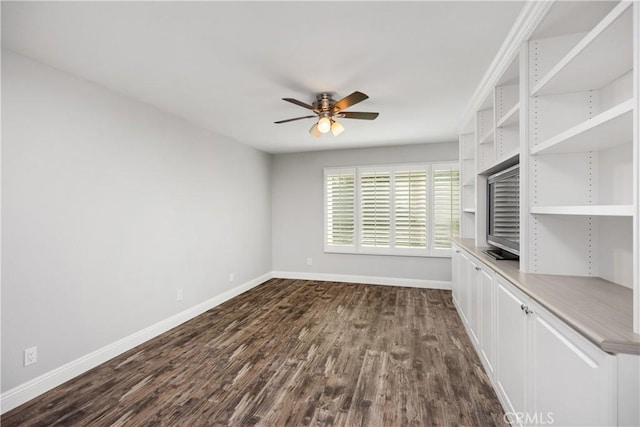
543,371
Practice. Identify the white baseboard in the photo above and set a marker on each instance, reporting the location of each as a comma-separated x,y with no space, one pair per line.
45,382
372,280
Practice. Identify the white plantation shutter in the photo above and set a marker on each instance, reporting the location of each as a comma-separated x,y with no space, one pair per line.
410,191
392,210
446,204
340,207
375,208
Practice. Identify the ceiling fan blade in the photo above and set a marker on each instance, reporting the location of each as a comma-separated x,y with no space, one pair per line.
299,103
348,101
297,118
358,115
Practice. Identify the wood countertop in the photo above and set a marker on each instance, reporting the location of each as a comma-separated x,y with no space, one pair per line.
600,310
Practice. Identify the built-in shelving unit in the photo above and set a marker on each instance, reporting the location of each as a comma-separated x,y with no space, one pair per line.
467,143
565,106
580,140
562,100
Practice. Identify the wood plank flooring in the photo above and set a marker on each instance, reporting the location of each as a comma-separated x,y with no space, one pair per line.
289,353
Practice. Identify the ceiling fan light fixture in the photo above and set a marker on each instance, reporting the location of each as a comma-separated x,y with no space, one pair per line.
336,128
326,110
324,124
314,131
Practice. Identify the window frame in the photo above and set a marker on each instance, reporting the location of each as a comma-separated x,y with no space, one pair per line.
357,247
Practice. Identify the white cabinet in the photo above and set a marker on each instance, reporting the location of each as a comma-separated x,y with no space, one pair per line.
572,379
460,286
456,276
543,371
473,292
511,348
546,372
472,268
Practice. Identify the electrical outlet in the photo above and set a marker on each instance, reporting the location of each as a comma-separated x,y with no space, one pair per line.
309,261
179,295
30,356
231,277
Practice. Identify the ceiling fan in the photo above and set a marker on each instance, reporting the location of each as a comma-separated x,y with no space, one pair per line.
327,110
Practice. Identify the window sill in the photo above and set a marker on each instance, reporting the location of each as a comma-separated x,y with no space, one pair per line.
443,253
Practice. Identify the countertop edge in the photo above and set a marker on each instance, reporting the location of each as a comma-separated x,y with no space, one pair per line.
607,344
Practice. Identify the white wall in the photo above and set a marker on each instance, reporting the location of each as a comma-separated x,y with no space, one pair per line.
297,186
108,207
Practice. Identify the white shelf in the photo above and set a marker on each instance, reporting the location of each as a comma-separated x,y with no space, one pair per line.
469,210
589,210
608,129
488,138
511,118
603,55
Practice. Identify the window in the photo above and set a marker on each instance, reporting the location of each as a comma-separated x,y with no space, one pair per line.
375,208
410,189
392,210
340,209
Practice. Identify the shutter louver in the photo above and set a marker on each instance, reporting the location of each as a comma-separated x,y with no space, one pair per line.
411,209
446,206
375,209
340,209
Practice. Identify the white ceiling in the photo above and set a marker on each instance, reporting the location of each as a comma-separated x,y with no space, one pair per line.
225,65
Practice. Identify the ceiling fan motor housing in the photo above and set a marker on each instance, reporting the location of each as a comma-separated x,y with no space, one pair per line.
323,102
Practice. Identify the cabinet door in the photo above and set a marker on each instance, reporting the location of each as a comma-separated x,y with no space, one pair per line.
463,286
571,377
511,349
472,301
487,317
455,274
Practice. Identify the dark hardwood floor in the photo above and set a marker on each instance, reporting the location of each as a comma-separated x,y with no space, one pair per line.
289,353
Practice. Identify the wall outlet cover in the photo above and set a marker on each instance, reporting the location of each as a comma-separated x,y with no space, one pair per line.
30,356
